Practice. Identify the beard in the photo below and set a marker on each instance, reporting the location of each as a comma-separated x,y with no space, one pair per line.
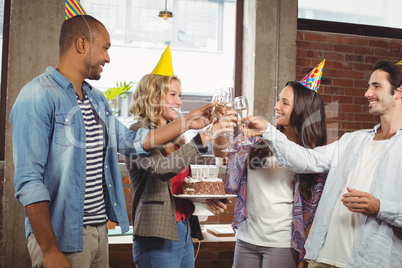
91,69
383,105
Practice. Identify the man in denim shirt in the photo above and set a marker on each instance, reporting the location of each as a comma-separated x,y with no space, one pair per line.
50,142
359,218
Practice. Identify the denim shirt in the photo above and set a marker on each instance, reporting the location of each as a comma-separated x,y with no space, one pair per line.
379,240
50,154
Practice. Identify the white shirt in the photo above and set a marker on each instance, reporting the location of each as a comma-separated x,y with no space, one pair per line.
344,224
269,206
379,241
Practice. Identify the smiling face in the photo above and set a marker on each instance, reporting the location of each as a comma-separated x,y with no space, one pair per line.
379,93
171,102
284,106
97,55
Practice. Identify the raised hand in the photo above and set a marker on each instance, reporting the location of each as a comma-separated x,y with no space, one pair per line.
255,126
199,118
225,123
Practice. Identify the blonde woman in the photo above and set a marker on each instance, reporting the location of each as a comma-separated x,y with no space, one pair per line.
162,229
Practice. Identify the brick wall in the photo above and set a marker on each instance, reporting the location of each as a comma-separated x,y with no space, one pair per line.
349,60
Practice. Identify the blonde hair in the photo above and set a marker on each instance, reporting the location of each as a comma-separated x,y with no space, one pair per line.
147,100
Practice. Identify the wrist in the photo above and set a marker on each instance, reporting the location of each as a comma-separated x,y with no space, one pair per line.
202,142
186,119
50,247
208,137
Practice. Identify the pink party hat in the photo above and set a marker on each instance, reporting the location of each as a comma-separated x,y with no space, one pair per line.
313,79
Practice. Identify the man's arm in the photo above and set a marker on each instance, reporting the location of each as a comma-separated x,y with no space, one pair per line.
31,119
165,167
293,156
390,212
38,215
365,203
361,202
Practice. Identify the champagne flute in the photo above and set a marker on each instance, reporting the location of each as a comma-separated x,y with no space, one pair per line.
242,110
229,102
218,97
229,106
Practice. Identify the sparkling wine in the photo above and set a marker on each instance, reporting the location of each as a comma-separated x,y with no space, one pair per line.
243,112
229,106
218,108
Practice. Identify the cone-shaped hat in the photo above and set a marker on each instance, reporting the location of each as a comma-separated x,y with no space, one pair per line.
73,8
164,66
313,79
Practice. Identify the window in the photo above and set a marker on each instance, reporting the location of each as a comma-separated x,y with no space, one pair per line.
385,13
201,35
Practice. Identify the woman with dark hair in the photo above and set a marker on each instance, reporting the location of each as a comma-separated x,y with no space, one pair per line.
275,207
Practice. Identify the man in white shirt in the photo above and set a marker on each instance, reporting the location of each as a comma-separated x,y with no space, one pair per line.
359,218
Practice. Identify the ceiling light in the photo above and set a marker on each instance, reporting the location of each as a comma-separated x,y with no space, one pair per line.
165,14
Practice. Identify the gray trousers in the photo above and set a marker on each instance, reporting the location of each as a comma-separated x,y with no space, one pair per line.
94,254
249,255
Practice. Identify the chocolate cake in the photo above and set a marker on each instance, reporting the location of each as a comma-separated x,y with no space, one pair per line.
204,186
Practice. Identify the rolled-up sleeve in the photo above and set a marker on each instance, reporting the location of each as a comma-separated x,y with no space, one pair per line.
31,128
139,140
129,141
25,196
391,212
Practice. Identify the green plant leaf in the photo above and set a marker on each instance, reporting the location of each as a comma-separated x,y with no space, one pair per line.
119,90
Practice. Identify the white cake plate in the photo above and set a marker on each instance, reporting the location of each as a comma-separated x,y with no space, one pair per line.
201,208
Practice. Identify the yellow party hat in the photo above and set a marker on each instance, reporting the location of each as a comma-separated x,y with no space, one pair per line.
164,66
399,63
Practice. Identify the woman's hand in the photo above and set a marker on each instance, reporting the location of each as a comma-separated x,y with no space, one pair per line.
226,122
216,206
254,126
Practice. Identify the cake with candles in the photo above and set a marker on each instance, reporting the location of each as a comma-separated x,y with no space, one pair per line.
203,186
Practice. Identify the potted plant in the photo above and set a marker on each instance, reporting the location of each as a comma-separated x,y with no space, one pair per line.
113,94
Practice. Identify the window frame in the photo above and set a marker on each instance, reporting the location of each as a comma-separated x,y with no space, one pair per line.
348,28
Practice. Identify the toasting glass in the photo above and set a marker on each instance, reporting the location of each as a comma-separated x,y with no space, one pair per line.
241,105
219,97
229,105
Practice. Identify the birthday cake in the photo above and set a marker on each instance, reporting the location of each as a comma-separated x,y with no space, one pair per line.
203,186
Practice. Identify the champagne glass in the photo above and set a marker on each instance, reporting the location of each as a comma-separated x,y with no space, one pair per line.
241,104
229,106
229,102
218,97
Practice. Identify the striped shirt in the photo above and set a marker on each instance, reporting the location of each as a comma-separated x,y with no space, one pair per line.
95,187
